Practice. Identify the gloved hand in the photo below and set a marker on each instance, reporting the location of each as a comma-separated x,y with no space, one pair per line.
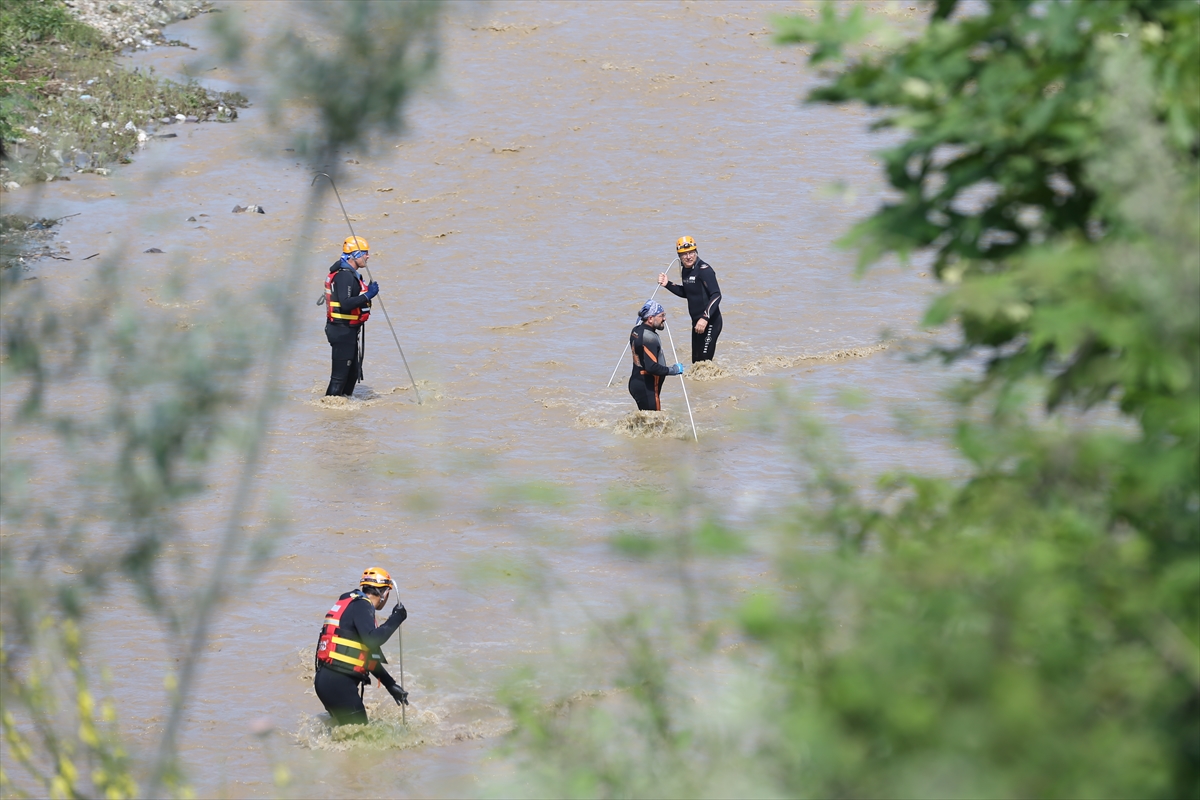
400,611
372,289
398,694
678,368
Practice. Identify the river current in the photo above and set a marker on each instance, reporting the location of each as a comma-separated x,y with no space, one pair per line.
515,230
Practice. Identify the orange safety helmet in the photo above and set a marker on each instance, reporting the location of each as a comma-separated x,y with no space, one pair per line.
353,243
378,577
686,244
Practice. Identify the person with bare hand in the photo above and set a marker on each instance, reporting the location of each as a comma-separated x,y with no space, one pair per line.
703,295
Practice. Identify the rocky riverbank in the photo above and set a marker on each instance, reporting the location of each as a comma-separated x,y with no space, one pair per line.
66,103
134,23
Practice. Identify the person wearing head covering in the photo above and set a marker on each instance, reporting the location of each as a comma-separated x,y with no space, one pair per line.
347,308
703,296
350,649
649,363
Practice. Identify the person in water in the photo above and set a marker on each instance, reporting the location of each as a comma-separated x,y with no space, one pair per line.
703,296
350,649
347,308
649,363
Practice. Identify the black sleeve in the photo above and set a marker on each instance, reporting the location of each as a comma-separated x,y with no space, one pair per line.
361,616
675,289
346,290
653,358
708,277
383,676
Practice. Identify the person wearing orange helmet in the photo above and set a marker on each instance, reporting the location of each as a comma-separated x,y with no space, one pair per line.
347,308
350,649
699,286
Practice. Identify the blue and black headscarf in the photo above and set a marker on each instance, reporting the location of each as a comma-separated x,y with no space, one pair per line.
652,308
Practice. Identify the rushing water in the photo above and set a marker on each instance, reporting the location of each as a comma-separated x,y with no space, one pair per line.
515,231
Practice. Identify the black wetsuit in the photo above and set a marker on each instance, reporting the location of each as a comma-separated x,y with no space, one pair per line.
344,337
704,302
341,693
649,367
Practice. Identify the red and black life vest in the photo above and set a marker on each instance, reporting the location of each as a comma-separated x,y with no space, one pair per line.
339,653
333,309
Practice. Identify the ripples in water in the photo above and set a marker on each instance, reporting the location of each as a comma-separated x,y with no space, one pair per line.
388,731
653,425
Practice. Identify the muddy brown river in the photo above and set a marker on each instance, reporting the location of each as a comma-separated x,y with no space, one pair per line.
515,230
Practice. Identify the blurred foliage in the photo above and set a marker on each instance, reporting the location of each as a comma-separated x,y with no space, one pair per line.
48,756
91,498
123,409
355,63
1033,627
1006,148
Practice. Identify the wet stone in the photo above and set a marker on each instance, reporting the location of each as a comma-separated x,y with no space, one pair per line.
152,250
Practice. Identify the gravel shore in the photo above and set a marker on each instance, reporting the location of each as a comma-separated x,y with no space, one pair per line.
135,24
